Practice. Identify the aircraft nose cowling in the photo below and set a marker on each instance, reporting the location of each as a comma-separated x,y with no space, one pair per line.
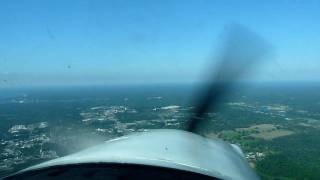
175,149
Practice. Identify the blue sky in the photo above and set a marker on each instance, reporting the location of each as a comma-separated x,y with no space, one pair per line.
106,42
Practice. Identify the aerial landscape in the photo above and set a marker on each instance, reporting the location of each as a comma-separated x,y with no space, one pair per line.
75,74
276,126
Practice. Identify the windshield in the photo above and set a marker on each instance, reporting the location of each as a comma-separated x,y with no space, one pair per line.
74,74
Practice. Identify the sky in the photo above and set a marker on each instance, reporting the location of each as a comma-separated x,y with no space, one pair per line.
86,42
